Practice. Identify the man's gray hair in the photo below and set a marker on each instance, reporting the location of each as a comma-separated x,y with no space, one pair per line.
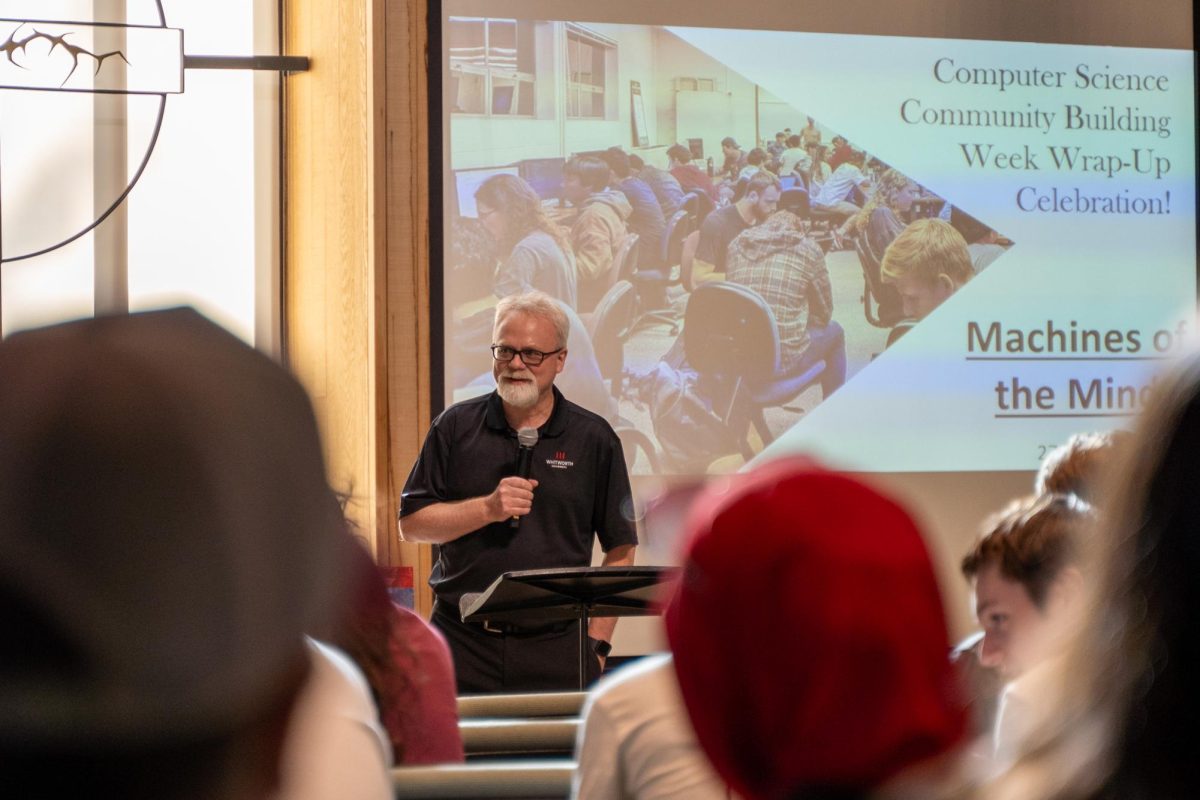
538,304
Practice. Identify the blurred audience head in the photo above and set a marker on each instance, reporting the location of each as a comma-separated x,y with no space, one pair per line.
809,636
679,154
927,263
618,161
167,536
1081,467
1025,575
1123,723
584,176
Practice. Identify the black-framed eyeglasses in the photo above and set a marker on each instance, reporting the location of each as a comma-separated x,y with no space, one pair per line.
529,356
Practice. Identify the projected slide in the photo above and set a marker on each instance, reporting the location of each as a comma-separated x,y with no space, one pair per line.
898,254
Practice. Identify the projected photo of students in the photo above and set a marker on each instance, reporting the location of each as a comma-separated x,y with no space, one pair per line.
727,260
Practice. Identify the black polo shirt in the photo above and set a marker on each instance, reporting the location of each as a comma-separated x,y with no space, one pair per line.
583,489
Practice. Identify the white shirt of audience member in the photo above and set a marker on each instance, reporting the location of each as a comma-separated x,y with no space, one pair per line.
336,747
1020,640
840,183
637,743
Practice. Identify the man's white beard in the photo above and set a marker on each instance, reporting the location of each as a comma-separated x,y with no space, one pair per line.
519,394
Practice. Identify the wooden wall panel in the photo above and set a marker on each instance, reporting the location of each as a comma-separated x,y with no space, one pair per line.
406,294
330,274
357,282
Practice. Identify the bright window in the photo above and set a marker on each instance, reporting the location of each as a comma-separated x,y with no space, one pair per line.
492,65
588,58
199,227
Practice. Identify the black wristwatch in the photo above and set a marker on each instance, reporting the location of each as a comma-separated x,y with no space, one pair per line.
601,647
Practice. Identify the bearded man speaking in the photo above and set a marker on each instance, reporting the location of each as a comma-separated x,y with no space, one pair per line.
464,494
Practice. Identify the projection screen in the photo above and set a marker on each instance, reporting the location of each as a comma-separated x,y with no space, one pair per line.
1009,258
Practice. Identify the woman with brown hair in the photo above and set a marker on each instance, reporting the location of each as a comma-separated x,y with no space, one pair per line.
535,253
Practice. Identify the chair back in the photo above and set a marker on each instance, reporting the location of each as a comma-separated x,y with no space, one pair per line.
730,331
678,227
609,326
889,307
625,261
698,205
795,201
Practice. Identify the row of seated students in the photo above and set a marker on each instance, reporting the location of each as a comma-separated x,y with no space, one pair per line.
174,565
567,263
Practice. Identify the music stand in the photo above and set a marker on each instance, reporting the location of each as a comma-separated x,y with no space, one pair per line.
545,596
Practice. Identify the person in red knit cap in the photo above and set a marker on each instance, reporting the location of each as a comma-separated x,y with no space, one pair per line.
810,641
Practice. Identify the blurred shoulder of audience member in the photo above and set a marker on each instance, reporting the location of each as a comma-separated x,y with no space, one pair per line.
636,741
407,664
336,746
830,678
167,536
1118,720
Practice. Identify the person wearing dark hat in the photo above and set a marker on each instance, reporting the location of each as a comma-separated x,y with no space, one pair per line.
825,673
167,537
464,490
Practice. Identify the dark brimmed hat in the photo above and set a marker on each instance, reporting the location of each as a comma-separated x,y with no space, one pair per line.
167,533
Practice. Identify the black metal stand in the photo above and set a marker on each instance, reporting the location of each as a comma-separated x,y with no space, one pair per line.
545,596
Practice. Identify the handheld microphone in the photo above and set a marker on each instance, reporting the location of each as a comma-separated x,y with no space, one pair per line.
526,439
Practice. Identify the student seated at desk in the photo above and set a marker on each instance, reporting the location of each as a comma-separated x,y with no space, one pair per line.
886,214
835,194
535,253
664,185
601,226
690,177
780,262
926,263
795,159
647,219
723,225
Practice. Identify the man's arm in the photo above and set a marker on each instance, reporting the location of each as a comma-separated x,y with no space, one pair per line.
444,522
602,627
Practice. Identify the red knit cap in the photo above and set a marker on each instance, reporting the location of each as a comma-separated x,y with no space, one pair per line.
809,636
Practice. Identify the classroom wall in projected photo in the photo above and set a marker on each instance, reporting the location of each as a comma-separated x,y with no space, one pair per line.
965,251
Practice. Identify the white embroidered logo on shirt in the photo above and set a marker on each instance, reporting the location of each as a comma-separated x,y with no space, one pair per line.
559,461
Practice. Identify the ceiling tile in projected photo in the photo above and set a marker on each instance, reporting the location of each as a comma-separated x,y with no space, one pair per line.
1093,184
